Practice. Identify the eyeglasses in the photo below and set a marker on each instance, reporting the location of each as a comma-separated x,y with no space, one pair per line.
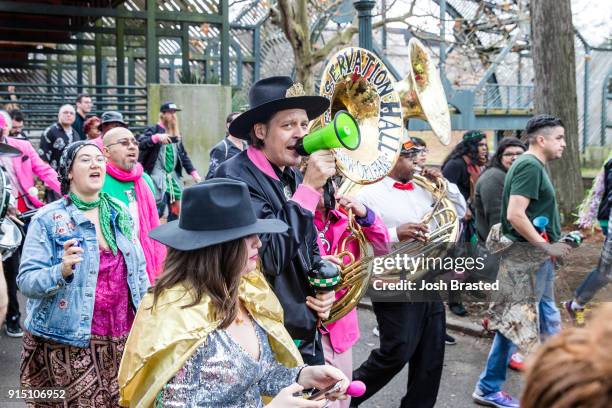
424,151
125,142
512,154
87,160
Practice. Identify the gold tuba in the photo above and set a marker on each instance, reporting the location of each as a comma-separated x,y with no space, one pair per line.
422,94
357,81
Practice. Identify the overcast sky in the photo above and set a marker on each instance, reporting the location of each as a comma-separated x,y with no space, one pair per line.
593,18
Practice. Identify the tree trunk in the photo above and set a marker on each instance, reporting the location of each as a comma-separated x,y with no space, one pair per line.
554,65
305,76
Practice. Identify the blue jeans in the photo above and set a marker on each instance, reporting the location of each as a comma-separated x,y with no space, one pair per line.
594,281
600,276
494,374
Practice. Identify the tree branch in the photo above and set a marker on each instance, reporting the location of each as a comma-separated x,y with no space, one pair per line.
345,36
342,38
398,19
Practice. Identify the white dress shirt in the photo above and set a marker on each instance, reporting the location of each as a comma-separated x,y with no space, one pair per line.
397,207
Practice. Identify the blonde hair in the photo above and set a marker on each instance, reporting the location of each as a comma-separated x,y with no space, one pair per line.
172,127
573,368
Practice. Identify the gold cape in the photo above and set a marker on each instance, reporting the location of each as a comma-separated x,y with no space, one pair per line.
164,337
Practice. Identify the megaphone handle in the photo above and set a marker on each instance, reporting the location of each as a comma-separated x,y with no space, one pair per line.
329,201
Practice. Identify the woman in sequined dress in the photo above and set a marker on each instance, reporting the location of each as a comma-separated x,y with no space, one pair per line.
210,332
83,274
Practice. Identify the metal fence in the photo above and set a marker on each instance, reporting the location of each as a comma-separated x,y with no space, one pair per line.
40,103
504,98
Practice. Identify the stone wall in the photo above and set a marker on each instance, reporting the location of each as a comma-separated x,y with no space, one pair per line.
202,119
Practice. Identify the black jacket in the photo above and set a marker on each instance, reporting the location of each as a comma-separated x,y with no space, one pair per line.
52,143
79,121
222,151
455,171
287,257
606,198
149,152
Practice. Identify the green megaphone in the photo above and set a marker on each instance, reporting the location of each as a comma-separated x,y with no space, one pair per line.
343,131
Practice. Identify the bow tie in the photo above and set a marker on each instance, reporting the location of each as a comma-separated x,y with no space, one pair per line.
404,186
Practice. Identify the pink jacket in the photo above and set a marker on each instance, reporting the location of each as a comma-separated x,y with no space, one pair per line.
30,164
345,332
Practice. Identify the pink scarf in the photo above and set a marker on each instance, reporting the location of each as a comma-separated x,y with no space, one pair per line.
154,252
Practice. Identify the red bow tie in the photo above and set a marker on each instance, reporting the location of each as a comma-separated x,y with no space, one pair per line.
404,186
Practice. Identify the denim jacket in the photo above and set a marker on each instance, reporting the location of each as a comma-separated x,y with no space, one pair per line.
62,309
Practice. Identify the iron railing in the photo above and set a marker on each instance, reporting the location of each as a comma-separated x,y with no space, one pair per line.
504,98
40,103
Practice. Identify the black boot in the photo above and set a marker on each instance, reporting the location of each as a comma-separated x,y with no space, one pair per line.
458,309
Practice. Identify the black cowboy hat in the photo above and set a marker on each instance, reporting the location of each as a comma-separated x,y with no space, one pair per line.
270,95
215,211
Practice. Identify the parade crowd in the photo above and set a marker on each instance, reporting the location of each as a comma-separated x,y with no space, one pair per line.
221,303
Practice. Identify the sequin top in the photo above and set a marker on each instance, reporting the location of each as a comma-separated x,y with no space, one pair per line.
113,313
221,374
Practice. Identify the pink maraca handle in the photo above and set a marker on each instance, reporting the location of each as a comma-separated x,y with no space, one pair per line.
356,389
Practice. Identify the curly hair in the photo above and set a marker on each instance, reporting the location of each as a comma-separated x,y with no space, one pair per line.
467,147
90,123
573,368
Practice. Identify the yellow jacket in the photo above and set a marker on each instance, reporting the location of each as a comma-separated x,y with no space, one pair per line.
163,338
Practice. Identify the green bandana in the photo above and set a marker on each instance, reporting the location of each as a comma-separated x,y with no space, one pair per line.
173,188
473,134
106,202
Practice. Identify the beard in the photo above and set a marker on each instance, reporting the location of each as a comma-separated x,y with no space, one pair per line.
171,126
128,165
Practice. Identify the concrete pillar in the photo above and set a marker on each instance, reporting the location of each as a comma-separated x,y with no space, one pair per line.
202,118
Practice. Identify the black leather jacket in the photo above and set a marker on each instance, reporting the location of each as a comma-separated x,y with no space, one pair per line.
606,198
150,150
286,258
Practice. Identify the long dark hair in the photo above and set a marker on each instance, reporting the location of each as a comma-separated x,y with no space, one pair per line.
506,142
467,147
213,270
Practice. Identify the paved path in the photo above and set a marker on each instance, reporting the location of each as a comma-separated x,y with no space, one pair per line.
462,366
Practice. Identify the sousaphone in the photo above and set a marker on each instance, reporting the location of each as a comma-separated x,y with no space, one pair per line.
357,81
422,94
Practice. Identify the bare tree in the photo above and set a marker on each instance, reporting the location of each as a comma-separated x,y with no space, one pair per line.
555,91
294,18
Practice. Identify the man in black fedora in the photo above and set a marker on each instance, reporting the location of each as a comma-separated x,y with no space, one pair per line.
278,117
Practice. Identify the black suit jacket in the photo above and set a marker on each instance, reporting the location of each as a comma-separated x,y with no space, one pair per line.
286,258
